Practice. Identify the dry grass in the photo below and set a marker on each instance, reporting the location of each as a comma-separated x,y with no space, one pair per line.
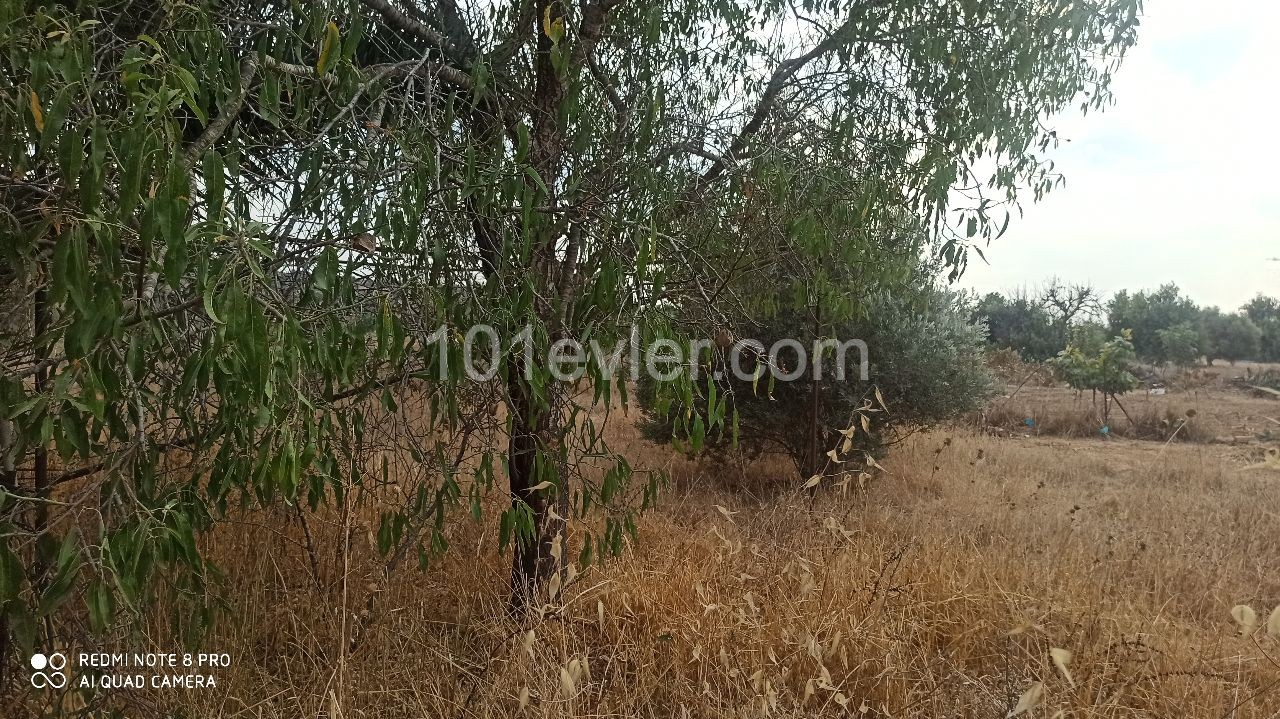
1213,411
936,591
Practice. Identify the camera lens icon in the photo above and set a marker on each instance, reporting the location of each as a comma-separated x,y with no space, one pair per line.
53,678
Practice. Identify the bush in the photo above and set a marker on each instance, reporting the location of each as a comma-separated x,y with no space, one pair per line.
925,358
1106,372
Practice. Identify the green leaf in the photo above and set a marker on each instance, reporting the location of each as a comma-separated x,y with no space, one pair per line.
331,41
12,575
214,183
66,569
101,605
504,529
207,300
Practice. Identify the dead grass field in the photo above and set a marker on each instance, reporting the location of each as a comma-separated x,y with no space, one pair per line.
938,590
1209,406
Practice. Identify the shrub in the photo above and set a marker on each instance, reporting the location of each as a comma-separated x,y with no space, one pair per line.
1106,372
925,359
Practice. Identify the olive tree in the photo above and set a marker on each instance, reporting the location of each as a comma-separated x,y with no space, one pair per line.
1181,345
235,230
923,361
1231,337
1145,313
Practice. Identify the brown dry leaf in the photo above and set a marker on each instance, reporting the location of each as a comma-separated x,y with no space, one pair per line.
36,113
1245,617
1029,700
1273,622
1061,658
567,687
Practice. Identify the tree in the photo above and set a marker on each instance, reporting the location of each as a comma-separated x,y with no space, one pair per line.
1269,340
1068,305
1179,345
1231,337
1037,324
1146,313
1088,337
1262,308
236,232
1264,312
1019,323
1106,372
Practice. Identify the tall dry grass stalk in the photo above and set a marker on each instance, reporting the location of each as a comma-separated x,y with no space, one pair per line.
981,577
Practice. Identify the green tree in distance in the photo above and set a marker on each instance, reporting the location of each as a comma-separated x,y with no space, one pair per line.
1019,323
1145,313
1264,312
1180,345
1231,337
1106,372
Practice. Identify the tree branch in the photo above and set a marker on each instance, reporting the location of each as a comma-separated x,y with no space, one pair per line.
401,21
783,74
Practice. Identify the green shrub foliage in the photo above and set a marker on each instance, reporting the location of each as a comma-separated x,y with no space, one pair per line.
924,358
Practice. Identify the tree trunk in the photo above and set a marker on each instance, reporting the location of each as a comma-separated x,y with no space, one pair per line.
8,483
815,400
534,562
534,438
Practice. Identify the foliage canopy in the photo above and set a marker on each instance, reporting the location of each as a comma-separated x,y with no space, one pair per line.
233,230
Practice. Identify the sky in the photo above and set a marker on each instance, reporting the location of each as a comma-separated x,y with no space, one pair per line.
1178,181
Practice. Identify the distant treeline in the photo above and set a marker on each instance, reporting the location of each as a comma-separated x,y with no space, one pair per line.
1167,327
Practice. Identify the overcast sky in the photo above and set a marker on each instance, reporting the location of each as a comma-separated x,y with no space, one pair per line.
1175,183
